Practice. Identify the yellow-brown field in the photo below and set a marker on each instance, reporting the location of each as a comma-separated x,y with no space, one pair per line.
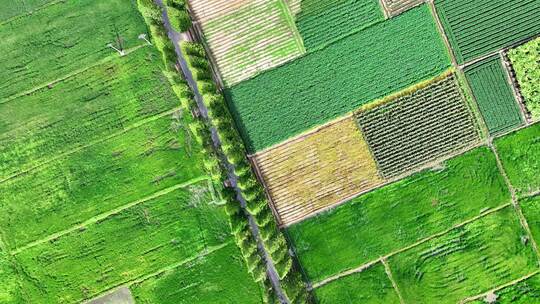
318,170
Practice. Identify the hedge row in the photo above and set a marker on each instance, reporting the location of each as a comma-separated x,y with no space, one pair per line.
201,131
178,15
252,191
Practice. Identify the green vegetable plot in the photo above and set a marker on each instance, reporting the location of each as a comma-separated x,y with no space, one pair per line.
494,95
321,22
479,27
316,88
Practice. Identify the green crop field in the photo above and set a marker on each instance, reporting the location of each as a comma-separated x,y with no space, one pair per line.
520,156
419,127
398,215
316,88
63,38
525,60
320,22
479,27
494,95
524,292
104,100
220,271
371,286
465,262
124,246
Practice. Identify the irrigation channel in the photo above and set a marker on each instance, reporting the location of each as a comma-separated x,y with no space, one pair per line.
176,38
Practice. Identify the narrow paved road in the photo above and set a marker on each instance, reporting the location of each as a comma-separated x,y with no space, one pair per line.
176,38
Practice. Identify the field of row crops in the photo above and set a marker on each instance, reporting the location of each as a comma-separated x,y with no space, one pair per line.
244,44
101,181
525,60
318,170
321,22
478,27
16,8
492,91
316,88
399,214
419,127
524,292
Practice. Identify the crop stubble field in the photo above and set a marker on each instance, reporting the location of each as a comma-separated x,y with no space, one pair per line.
243,43
101,183
318,170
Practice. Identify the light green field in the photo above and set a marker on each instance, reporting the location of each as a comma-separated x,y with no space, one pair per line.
520,155
85,108
371,286
101,182
398,215
63,38
466,262
525,292
104,176
214,278
137,241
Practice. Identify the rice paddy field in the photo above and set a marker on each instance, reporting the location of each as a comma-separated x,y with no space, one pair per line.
101,182
396,142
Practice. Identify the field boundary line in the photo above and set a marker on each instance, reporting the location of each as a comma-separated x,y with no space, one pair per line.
398,251
109,213
391,278
37,9
518,280
71,74
133,126
205,252
284,7
387,182
385,10
515,202
440,27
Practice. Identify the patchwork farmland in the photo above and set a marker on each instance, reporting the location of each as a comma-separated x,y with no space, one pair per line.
269,151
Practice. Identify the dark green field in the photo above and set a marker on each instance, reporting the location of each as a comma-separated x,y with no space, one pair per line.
479,27
398,215
321,22
316,88
494,95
